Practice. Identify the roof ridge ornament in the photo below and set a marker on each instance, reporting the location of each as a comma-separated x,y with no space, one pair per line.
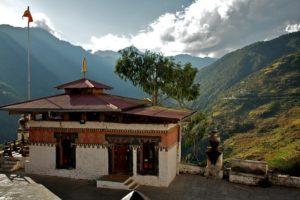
84,67
89,83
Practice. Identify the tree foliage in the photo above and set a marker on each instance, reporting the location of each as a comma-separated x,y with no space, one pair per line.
193,134
158,75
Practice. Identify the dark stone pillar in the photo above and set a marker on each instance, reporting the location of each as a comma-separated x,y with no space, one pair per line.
214,154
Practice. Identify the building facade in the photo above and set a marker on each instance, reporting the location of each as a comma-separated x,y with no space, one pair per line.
87,133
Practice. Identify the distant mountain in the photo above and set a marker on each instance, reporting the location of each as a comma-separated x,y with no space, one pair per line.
108,56
198,62
263,111
53,62
195,61
232,68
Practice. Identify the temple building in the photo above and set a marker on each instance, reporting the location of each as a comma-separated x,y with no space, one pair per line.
87,133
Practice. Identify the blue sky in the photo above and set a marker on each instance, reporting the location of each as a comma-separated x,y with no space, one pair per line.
200,27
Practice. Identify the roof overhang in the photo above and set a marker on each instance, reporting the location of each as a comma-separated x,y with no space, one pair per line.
161,112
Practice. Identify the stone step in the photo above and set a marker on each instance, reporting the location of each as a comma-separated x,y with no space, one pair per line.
10,162
7,158
7,167
111,185
134,186
128,181
128,184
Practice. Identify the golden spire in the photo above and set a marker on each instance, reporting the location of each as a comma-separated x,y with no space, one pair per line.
84,67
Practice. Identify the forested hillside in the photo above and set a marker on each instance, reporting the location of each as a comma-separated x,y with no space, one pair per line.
253,96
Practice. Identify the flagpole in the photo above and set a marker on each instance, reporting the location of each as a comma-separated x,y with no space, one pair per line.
28,65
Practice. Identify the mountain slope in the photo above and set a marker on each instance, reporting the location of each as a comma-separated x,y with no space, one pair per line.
262,112
233,67
195,61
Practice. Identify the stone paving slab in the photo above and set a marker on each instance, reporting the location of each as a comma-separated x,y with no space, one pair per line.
13,186
183,187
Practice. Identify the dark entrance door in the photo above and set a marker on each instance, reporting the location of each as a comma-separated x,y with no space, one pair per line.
121,159
65,150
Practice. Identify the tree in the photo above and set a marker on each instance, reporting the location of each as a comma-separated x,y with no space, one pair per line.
193,134
182,87
158,75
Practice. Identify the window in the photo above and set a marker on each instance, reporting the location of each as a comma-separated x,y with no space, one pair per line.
93,116
55,116
147,159
38,117
111,117
75,116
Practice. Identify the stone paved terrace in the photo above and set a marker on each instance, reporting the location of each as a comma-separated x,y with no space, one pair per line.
183,187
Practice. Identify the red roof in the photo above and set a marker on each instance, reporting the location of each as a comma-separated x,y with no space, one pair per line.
86,102
157,111
82,102
83,83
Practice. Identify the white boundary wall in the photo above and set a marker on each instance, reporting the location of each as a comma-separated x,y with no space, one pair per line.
91,163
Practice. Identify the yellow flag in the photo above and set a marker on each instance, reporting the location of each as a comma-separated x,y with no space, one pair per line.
84,67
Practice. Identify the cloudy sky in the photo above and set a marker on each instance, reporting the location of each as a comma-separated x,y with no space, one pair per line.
196,27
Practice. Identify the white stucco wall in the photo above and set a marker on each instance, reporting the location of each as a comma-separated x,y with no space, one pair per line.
134,164
91,163
178,157
167,169
172,163
41,160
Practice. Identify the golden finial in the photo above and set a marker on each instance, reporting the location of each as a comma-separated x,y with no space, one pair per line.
84,67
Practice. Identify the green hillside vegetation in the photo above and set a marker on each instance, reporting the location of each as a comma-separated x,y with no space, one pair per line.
232,68
263,113
252,96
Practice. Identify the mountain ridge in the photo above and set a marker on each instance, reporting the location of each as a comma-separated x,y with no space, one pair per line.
215,78
263,117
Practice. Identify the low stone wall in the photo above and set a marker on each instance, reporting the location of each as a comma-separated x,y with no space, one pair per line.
249,166
284,180
190,169
248,172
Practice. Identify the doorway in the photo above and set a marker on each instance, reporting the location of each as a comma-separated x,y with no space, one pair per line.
65,151
121,159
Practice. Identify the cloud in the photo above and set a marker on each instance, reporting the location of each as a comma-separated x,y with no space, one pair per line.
210,27
12,14
290,28
9,15
109,41
42,21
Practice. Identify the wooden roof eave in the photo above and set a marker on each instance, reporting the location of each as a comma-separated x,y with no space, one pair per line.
22,111
186,119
